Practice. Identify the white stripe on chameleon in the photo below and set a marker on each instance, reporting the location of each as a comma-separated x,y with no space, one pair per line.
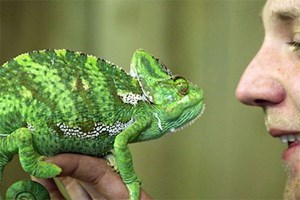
99,128
131,98
158,121
30,127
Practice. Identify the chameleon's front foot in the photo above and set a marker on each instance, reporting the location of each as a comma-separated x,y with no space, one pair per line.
134,189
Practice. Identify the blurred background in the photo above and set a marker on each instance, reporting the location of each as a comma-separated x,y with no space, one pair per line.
227,154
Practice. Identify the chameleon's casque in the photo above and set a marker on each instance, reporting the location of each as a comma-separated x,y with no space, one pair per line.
58,101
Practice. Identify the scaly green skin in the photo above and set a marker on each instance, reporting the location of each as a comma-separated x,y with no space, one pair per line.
57,101
29,190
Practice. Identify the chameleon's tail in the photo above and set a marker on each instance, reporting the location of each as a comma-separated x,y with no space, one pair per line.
27,190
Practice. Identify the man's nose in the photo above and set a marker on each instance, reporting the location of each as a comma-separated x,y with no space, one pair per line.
260,85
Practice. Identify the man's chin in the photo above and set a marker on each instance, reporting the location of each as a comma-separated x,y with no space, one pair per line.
291,158
292,189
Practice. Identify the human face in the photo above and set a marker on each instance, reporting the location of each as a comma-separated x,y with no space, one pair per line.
272,79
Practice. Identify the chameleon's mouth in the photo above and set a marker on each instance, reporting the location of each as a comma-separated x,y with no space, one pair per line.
191,113
200,114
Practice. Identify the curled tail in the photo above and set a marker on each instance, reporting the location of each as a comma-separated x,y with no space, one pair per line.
27,190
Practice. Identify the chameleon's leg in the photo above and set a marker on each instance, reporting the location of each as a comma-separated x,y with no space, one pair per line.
21,141
124,158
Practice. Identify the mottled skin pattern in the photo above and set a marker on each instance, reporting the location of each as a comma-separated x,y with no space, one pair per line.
57,101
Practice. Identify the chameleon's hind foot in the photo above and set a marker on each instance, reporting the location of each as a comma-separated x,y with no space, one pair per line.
30,160
44,169
27,190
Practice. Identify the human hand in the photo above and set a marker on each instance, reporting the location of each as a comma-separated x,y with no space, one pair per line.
86,177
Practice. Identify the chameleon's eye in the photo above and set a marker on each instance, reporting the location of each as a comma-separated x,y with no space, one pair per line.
181,85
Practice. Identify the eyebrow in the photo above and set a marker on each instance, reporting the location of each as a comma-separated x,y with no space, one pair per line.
286,15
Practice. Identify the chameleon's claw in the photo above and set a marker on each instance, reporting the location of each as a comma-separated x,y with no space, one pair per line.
112,161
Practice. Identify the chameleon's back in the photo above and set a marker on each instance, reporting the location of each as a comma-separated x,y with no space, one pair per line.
52,90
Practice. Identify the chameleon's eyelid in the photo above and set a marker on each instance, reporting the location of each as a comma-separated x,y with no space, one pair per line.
175,77
182,91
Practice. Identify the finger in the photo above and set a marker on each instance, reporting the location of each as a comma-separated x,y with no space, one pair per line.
51,186
109,184
74,189
94,174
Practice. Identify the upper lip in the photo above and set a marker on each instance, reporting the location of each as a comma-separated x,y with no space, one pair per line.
286,136
279,133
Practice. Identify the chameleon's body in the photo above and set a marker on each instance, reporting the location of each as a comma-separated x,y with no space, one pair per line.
58,101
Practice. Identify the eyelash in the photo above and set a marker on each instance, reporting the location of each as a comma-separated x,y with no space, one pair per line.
294,45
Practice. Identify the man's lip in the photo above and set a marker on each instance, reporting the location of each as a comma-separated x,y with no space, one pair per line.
289,152
292,146
280,132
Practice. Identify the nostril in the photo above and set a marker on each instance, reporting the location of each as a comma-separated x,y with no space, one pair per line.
261,102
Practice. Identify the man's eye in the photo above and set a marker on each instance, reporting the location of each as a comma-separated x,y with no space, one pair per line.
295,46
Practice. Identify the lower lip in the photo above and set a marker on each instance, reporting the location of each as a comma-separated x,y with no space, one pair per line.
291,150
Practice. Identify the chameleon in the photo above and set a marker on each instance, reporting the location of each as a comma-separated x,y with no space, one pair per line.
59,101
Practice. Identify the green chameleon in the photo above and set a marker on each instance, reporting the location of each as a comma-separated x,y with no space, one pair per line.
57,101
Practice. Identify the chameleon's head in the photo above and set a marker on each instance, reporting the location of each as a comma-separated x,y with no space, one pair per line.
177,100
